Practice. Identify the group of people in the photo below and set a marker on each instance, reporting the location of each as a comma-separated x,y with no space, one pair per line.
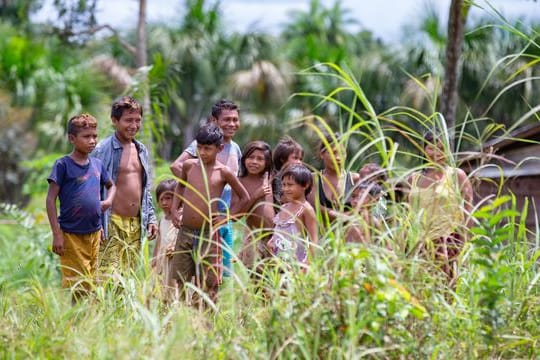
106,205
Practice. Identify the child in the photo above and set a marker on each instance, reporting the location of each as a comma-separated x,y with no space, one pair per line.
364,198
166,238
76,180
201,184
226,115
132,211
255,168
286,153
333,184
295,224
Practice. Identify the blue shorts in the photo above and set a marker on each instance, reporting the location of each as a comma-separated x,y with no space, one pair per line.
226,233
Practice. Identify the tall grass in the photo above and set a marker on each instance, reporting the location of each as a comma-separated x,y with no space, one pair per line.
380,300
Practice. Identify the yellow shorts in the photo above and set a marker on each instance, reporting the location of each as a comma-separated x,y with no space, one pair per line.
78,264
121,250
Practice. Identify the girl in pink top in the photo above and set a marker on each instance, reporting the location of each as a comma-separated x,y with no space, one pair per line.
295,225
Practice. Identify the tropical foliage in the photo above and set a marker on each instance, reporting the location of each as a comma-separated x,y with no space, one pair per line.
382,300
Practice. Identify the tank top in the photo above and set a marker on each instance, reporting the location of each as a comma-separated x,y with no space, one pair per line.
324,201
287,237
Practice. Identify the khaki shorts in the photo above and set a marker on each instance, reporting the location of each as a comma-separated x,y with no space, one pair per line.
79,262
121,250
199,255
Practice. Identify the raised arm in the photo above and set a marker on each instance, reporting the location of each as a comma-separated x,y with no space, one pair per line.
243,199
176,166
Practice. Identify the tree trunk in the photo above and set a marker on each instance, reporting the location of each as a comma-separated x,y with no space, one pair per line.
140,62
456,25
141,57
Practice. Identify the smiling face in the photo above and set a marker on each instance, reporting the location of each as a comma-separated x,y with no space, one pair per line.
128,125
84,141
229,122
256,162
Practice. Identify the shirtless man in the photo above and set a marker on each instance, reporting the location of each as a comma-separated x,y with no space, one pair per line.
132,212
199,189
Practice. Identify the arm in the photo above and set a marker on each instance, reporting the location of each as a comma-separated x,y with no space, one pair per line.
176,166
156,249
111,191
50,203
310,224
178,196
467,194
243,196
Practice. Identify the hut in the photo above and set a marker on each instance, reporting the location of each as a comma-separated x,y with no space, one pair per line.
512,165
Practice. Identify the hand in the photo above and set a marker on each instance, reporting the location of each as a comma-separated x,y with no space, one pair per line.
105,205
58,244
218,219
169,250
102,237
152,231
271,246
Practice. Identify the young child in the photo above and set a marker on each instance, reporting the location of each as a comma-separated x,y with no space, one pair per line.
286,153
198,251
166,238
364,197
132,212
255,168
76,179
295,224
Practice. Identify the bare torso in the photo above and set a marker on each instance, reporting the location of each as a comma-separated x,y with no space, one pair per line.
196,210
256,215
127,201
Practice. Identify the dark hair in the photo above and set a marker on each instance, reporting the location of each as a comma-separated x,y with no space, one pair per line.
221,105
331,139
300,174
165,186
209,134
249,149
79,122
430,137
125,103
373,188
285,147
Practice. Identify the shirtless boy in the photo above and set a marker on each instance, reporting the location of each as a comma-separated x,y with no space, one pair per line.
199,190
132,212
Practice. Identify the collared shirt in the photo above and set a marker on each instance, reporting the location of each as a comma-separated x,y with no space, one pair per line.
109,151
